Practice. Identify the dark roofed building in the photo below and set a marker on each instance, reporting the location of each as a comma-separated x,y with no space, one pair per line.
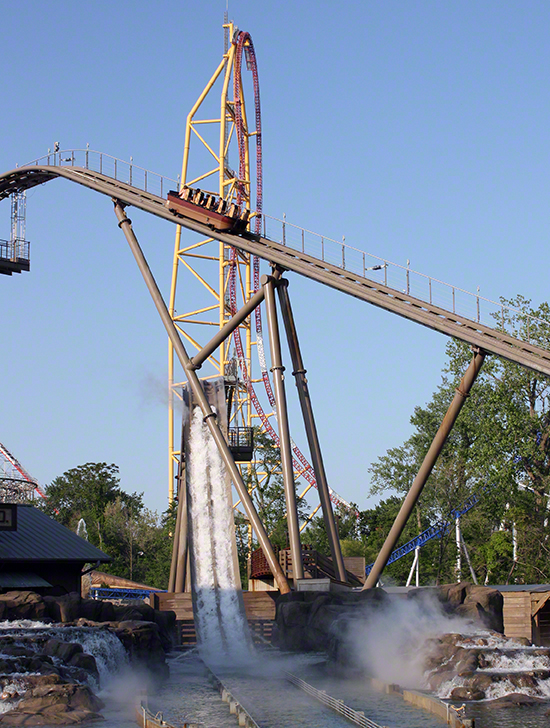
42,555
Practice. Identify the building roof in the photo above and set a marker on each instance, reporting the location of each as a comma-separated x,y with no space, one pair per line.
25,580
40,538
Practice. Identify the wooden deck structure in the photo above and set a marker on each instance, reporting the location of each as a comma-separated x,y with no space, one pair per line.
259,607
527,612
316,566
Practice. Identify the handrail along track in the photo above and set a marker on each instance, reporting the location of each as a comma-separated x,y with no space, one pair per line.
339,276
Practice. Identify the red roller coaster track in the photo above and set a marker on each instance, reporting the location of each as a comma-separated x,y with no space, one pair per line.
20,474
300,462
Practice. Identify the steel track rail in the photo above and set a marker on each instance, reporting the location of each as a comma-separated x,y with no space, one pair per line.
434,317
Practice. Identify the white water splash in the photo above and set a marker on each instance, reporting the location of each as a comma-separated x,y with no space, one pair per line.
391,644
203,558
103,645
235,624
221,625
81,529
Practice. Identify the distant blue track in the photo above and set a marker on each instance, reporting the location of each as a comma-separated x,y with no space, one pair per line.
436,530
114,593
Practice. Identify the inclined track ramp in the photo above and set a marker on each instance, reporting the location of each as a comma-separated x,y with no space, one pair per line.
435,317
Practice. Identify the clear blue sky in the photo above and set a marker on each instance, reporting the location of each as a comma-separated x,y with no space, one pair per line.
417,130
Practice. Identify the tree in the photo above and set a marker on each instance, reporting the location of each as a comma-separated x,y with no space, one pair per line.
140,543
500,447
264,480
347,523
85,492
137,540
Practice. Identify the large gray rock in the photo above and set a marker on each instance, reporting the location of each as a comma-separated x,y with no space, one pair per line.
144,646
481,604
63,650
22,605
50,704
315,621
65,608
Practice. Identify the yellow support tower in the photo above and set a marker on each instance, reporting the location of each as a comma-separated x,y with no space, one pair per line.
210,142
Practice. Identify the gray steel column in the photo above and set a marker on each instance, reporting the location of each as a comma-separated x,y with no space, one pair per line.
183,538
284,431
198,393
430,459
311,430
175,545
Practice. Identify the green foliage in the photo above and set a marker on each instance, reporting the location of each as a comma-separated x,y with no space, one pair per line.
498,556
139,543
265,481
500,447
85,492
347,523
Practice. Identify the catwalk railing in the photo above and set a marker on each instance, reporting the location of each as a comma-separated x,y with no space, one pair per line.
403,278
15,251
382,271
126,172
354,716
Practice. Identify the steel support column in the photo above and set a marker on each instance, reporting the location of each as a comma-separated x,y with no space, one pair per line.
268,284
300,378
199,396
183,535
175,545
430,459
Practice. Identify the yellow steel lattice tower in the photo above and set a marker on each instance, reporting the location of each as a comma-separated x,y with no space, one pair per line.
212,144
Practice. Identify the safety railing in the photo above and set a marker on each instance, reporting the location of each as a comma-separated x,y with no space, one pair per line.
146,719
118,169
121,593
15,251
404,279
354,716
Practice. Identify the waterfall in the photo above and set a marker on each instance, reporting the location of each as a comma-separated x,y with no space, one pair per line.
220,620
109,653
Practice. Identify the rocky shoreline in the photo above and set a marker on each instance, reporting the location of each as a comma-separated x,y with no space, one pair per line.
47,676
448,640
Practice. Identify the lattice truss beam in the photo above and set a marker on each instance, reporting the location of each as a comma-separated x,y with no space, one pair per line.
222,276
16,485
223,151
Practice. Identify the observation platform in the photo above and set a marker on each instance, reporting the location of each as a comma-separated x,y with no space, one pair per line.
14,257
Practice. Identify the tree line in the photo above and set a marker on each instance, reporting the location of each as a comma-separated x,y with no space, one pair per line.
138,540
499,450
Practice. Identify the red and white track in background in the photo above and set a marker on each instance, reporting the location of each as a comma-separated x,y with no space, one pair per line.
12,471
300,462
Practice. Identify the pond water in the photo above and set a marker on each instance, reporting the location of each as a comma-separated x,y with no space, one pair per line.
260,686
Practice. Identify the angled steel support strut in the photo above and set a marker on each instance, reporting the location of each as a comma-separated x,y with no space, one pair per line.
430,459
268,284
198,393
198,360
183,538
311,430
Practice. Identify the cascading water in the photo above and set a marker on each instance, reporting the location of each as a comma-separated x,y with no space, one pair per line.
501,667
22,648
220,621
81,529
102,644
